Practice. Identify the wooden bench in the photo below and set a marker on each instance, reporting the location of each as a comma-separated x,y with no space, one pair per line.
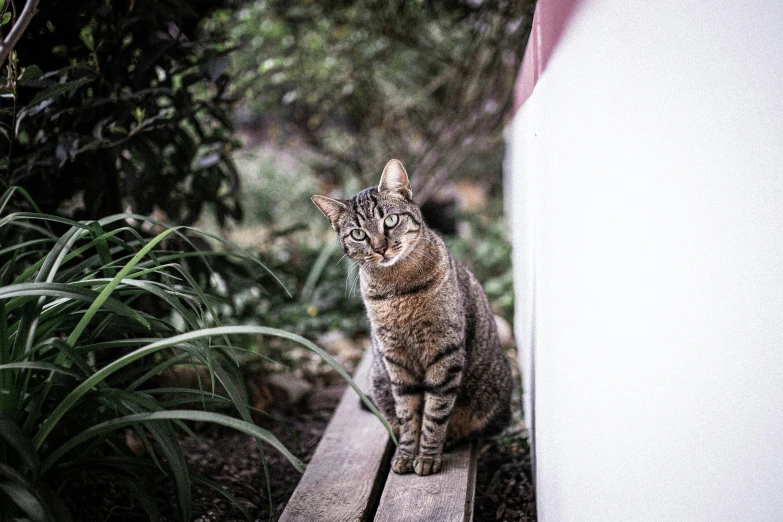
348,478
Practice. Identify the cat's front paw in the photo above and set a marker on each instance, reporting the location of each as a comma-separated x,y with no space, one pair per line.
402,463
427,465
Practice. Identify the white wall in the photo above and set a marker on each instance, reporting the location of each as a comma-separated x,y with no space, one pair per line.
646,173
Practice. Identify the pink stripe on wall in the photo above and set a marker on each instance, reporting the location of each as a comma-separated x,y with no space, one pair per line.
549,23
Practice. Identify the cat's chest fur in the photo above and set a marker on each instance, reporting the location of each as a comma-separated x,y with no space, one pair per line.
411,318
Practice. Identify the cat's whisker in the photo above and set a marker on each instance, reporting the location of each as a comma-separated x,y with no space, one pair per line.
422,253
358,276
428,240
417,264
350,289
338,261
347,279
348,276
351,292
356,282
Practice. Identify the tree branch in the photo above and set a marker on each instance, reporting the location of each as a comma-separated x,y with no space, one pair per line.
18,29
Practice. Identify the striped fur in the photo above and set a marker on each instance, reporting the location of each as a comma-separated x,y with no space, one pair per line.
438,374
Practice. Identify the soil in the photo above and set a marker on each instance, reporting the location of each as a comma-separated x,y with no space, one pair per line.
233,460
504,487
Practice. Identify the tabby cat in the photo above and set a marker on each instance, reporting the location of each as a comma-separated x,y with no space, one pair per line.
438,371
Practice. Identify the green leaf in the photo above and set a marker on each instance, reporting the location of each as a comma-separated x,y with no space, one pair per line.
167,441
67,291
136,489
45,366
223,492
106,292
99,376
6,18
58,89
25,499
12,434
30,73
86,36
315,272
191,415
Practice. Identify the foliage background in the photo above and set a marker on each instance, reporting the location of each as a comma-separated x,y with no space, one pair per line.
121,104
428,82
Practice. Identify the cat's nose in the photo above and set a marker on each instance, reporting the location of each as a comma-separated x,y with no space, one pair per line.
380,247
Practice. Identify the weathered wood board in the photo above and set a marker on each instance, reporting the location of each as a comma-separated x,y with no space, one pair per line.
349,475
345,476
444,497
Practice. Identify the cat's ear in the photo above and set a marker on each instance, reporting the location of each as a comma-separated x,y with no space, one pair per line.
330,207
395,178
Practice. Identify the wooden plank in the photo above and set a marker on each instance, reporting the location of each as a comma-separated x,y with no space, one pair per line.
446,496
345,476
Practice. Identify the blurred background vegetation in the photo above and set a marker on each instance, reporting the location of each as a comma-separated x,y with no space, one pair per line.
228,115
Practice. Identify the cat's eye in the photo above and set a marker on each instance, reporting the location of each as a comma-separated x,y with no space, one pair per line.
358,234
391,220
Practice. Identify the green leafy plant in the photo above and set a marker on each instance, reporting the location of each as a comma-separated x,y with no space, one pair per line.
123,104
487,251
80,345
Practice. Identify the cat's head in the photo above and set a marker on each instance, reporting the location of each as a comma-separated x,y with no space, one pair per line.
379,225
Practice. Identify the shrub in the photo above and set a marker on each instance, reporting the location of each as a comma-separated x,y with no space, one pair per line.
119,104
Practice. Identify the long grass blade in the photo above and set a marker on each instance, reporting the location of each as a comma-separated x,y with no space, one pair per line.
315,272
191,415
66,291
103,250
6,378
103,373
138,492
12,434
49,367
29,322
175,460
8,194
215,237
109,288
23,497
224,493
